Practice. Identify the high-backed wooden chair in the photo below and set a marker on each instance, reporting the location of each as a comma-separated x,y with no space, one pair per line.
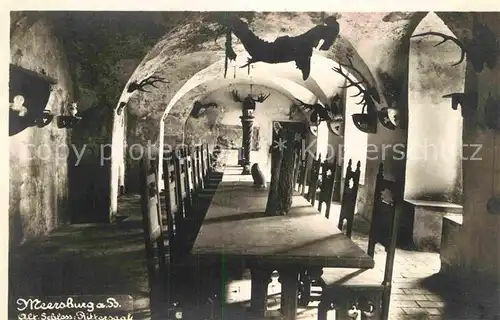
204,169
201,167
209,163
190,174
196,169
152,223
174,269
312,180
350,194
172,207
183,197
326,185
366,291
193,166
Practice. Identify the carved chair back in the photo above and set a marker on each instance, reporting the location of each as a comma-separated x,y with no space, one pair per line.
326,185
181,176
194,169
201,166
349,196
197,168
384,225
152,221
384,229
373,301
313,180
203,160
207,154
301,171
172,208
190,174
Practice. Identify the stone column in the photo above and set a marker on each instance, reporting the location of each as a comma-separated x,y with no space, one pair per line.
247,126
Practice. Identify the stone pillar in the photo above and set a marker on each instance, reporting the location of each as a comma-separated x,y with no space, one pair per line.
247,126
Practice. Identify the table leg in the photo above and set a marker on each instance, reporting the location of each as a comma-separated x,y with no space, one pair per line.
260,277
289,279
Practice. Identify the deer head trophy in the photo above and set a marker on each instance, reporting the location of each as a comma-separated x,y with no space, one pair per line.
249,101
482,49
332,114
366,122
149,81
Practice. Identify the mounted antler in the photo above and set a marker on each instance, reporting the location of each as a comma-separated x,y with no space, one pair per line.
480,50
366,122
445,38
151,80
370,93
319,113
262,97
235,95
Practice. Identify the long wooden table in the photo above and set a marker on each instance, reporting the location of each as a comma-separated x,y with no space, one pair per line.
236,227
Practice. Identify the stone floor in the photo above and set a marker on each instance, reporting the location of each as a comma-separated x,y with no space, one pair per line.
105,259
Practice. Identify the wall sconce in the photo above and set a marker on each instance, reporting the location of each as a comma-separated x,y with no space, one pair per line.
68,121
468,102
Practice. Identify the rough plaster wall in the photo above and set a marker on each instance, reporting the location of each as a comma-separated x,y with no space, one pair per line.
433,170
479,243
38,175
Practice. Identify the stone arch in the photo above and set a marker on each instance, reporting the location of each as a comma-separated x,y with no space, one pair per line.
169,55
285,87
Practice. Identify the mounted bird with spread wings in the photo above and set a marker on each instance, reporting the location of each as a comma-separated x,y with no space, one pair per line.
283,49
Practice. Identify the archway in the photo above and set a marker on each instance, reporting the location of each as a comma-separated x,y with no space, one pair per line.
179,62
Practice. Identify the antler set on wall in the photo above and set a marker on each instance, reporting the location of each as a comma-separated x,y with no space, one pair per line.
139,86
366,122
249,99
481,50
149,81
